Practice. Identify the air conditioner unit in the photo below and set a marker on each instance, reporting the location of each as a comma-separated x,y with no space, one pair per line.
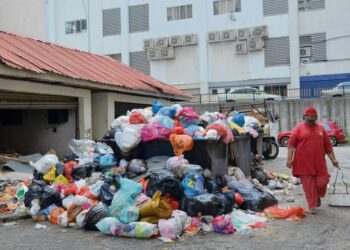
243,34
255,44
228,35
167,53
305,52
175,41
190,39
260,31
241,47
214,37
148,43
153,54
162,42
305,60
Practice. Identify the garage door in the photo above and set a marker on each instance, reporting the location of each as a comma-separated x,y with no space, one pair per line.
14,100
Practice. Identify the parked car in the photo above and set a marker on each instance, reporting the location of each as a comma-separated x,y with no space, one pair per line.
342,89
336,135
246,94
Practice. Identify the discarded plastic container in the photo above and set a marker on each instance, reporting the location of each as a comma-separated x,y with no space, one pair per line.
239,152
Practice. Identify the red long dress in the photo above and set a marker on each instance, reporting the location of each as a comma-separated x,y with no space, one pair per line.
311,145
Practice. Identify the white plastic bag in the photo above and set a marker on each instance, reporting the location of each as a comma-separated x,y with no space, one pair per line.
79,200
180,216
63,219
80,219
119,123
127,139
175,161
212,134
45,163
105,225
178,108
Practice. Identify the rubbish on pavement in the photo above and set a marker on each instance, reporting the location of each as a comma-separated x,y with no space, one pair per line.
276,212
40,226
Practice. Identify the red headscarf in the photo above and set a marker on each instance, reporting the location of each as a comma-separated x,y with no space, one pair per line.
310,111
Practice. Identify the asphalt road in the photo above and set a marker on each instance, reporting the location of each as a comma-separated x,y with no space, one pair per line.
329,229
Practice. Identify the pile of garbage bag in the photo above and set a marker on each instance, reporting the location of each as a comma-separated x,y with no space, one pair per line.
142,198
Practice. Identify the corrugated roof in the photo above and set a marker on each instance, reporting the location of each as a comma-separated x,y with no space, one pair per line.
42,57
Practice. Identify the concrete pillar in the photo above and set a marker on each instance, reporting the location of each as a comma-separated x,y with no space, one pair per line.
293,25
203,49
99,113
124,15
50,23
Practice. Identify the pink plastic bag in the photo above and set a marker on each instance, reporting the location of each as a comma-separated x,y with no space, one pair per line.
223,225
223,130
171,228
154,131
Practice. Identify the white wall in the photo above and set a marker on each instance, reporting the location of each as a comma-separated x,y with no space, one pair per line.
335,22
23,17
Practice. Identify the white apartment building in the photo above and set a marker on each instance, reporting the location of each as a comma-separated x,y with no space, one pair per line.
211,46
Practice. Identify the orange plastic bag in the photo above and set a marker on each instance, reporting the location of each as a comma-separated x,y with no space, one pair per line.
136,118
178,129
181,143
276,212
68,168
55,213
73,211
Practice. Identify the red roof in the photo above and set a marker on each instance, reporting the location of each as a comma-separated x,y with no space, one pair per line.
42,57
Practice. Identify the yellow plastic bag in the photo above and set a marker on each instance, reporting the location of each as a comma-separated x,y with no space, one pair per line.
51,175
155,209
233,125
61,180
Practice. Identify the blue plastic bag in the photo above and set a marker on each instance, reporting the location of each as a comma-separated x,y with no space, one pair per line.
132,188
109,226
190,130
106,160
164,121
167,111
193,184
156,106
238,118
123,207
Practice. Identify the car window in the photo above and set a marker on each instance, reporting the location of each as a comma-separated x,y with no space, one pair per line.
240,91
326,126
252,90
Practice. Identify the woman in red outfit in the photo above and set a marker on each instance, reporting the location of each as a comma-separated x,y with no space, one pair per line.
308,146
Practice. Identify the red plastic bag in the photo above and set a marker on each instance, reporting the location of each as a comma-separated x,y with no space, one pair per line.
181,143
178,129
68,168
276,212
223,130
136,118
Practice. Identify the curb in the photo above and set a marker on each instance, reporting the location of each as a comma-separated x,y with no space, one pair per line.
14,217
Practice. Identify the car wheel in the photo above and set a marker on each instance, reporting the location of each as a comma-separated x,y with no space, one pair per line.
285,141
333,141
230,100
274,151
270,99
337,95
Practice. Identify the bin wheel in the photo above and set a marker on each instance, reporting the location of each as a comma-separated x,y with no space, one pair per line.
274,151
333,141
285,141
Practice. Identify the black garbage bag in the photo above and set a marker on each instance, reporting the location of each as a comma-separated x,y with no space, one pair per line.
71,157
43,192
204,204
227,201
95,214
59,168
49,196
214,185
260,175
203,123
107,192
84,171
254,199
37,175
109,135
34,191
135,168
166,184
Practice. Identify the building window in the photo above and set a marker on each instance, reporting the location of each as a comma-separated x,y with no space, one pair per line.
277,51
313,48
117,57
273,7
179,12
276,90
309,5
214,91
139,60
111,22
138,18
226,6
77,26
